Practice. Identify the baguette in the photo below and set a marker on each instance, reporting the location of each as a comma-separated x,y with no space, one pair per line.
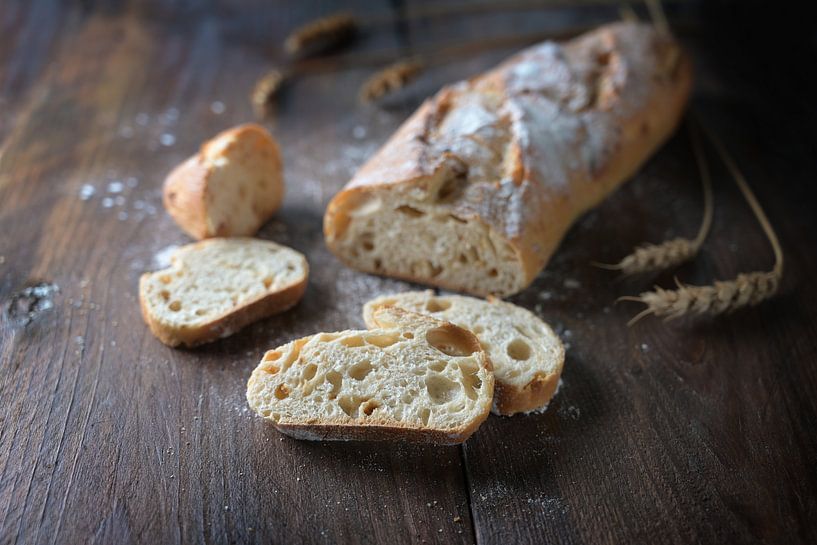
415,378
526,354
230,188
215,287
475,191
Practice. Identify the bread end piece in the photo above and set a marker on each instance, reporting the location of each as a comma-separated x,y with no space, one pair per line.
230,188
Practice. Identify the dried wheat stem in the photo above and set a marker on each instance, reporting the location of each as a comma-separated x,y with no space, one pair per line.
321,34
390,79
658,257
659,18
747,289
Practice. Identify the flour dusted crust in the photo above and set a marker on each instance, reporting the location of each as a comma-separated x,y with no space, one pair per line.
231,187
475,191
414,378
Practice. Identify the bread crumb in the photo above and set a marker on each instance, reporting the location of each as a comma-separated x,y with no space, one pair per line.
458,519
572,284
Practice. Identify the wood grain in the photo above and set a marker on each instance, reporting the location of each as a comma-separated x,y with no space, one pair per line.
698,431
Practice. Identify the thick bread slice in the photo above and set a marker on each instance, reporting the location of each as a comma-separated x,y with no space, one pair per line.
476,190
526,354
215,287
230,188
415,378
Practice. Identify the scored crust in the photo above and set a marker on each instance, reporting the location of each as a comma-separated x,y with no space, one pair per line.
307,409
528,357
224,324
476,190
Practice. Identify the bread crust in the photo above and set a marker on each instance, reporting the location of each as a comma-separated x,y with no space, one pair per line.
186,189
632,107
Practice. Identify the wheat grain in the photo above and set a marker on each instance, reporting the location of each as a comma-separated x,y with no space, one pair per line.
748,289
390,79
321,34
265,90
658,257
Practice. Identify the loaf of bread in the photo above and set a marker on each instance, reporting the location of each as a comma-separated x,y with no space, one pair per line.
475,191
231,187
215,287
414,379
526,354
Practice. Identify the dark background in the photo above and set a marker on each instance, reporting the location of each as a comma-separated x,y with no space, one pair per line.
696,431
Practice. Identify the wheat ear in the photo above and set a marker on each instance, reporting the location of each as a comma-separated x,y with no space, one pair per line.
658,257
321,34
748,289
390,79
265,89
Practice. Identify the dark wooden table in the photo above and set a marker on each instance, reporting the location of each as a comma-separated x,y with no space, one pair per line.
699,431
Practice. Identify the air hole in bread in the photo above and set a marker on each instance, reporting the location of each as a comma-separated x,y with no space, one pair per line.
462,259
336,381
435,269
290,267
271,369
175,306
457,219
493,273
360,370
165,279
441,389
451,187
281,391
382,341
486,346
410,211
327,337
437,305
378,264
408,335
350,405
425,415
272,355
369,407
518,350
367,241
450,342
470,381
309,371
476,330
267,282
201,312
353,342
438,365
165,295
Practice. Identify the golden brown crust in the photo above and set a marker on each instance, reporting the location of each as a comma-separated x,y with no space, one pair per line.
226,324
623,95
186,194
509,400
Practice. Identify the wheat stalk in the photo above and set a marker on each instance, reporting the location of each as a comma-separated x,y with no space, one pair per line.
748,289
658,257
390,79
321,34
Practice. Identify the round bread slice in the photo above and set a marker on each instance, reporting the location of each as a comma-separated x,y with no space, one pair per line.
414,378
231,187
215,287
527,355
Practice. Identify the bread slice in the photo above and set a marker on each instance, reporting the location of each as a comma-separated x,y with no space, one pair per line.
526,354
414,378
476,190
230,188
215,287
